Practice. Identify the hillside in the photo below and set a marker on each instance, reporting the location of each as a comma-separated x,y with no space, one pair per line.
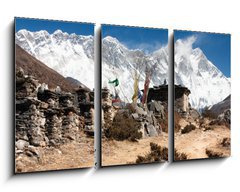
40,71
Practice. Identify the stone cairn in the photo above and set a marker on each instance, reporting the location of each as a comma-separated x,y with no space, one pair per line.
86,105
30,120
149,124
107,109
72,121
49,117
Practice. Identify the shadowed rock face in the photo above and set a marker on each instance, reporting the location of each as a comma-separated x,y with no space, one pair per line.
221,107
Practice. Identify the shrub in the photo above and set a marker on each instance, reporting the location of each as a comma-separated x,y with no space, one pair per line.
214,154
123,128
188,128
179,156
208,128
226,142
156,154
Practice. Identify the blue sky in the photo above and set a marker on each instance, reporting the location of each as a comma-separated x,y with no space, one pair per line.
146,39
216,47
51,26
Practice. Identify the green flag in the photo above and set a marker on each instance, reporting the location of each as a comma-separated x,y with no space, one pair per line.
115,82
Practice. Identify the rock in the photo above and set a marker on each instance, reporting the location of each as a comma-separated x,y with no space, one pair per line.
42,144
21,144
45,117
152,131
135,116
19,151
140,111
149,119
157,108
19,166
44,105
29,153
35,151
194,114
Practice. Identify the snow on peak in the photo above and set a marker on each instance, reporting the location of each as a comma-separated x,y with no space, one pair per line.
70,55
207,83
111,39
58,31
120,62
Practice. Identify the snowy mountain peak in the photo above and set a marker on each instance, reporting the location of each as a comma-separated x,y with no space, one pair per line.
121,62
70,55
111,39
207,83
58,31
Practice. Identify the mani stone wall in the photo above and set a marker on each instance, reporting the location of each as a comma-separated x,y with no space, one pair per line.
48,117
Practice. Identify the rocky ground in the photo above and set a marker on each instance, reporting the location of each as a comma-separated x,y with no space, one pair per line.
126,152
204,141
77,154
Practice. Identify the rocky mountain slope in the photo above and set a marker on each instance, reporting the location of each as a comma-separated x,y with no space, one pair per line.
42,72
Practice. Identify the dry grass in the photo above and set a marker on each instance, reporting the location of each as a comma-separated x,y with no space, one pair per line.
156,154
179,156
226,142
213,154
188,128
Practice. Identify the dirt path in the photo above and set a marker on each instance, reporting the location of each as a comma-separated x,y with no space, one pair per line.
126,152
194,144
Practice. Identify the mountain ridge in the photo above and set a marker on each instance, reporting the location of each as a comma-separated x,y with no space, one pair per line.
41,72
63,53
70,55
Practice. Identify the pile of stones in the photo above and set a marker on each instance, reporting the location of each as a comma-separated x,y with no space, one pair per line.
47,118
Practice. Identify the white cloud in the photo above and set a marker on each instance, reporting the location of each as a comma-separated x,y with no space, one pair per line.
184,46
148,48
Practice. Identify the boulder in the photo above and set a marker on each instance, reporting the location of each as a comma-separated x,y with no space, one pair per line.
152,131
135,116
21,144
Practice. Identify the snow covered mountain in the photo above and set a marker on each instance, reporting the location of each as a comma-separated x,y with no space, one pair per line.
120,62
207,83
70,55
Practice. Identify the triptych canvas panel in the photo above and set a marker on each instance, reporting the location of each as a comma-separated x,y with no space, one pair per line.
54,95
202,107
134,73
